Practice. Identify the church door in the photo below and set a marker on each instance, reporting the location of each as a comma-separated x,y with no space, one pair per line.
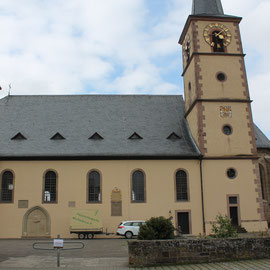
183,222
36,223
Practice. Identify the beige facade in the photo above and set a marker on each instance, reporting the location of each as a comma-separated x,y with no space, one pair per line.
72,186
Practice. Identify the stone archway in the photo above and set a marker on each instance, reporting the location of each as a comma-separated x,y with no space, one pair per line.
36,223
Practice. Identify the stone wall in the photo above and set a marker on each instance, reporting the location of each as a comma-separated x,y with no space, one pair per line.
185,251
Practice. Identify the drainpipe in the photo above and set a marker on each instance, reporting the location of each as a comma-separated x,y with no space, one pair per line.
201,174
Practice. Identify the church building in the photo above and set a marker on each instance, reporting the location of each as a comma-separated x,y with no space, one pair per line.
132,157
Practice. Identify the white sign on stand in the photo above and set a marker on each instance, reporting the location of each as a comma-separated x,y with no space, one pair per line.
58,243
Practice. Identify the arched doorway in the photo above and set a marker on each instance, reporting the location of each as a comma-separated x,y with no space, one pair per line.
36,223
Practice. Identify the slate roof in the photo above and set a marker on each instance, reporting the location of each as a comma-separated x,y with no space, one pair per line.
78,117
261,140
208,8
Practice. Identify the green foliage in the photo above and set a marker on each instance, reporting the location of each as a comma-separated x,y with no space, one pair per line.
223,227
157,228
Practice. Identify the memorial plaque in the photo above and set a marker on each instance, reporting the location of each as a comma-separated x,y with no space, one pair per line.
71,204
116,209
22,203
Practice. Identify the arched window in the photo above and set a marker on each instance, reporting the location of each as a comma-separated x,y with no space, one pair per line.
94,194
7,187
138,187
181,186
262,179
50,192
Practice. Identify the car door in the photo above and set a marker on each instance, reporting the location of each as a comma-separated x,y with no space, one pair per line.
136,228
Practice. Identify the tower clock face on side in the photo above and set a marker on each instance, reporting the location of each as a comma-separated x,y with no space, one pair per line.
217,35
186,48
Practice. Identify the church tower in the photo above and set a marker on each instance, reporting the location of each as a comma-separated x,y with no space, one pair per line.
218,111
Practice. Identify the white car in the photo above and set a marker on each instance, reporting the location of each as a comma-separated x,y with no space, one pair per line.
129,228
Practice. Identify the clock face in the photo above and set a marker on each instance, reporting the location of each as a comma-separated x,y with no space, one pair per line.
186,48
217,35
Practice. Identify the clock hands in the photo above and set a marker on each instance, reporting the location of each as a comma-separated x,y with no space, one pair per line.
219,34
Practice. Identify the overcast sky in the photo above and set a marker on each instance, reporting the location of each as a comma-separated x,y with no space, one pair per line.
117,47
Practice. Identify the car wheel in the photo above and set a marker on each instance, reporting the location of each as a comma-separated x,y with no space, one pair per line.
128,235
81,235
90,235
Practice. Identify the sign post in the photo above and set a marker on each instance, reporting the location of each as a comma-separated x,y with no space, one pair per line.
58,243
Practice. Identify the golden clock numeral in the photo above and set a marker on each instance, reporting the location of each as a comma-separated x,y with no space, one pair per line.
207,39
212,44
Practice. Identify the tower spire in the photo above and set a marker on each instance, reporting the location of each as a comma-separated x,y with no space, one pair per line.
207,7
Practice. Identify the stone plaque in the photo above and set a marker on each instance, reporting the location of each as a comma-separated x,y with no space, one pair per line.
225,111
116,208
22,203
116,202
71,204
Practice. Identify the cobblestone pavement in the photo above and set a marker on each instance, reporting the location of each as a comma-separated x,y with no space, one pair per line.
49,262
98,254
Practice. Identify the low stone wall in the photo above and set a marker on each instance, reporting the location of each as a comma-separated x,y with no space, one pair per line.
186,251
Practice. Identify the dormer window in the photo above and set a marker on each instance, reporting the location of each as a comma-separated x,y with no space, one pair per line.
135,136
173,136
57,136
18,136
96,136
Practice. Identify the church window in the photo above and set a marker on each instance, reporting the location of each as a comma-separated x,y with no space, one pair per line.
181,186
221,76
227,130
138,187
94,190
262,179
50,183
7,187
231,173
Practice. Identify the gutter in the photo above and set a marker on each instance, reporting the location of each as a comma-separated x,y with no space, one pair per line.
202,196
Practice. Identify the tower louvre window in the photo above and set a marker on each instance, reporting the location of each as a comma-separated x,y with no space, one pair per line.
18,136
135,136
57,136
95,136
217,42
